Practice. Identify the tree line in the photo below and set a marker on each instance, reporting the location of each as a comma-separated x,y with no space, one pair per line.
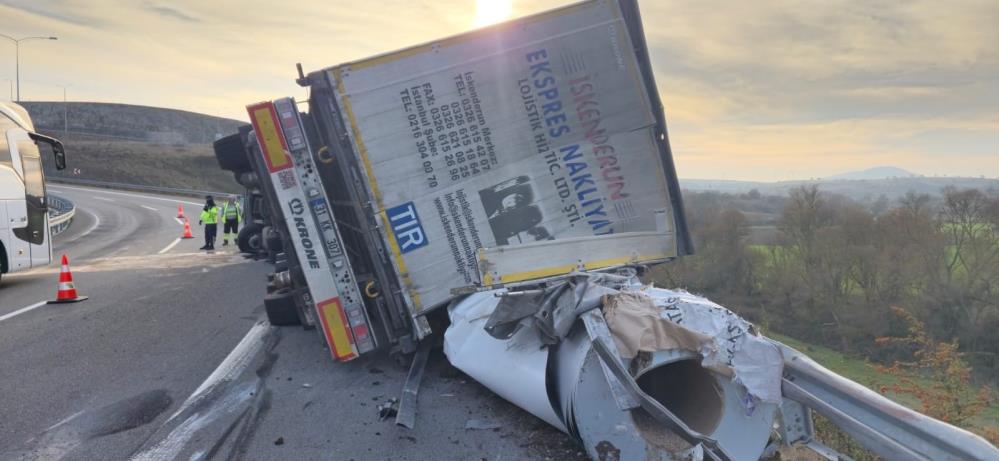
836,268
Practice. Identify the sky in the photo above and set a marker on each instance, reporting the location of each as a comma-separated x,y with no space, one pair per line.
766,90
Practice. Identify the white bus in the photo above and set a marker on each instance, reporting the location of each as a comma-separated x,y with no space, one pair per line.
24,220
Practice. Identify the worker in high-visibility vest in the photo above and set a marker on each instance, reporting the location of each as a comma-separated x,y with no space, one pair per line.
231,216
210,218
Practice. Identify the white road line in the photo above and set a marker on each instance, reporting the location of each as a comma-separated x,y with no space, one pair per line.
179,221
97,222
126,194
103,198
150,208
22,310
169,247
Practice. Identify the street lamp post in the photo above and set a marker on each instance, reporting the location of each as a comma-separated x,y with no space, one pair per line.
65,113
17,63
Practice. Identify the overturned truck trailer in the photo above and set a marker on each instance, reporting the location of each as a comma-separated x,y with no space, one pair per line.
504,186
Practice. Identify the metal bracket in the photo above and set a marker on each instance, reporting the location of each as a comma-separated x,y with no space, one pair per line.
406,417
796,422
597,329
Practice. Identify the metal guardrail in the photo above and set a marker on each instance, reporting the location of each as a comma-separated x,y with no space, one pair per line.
61,213
138,187
876,422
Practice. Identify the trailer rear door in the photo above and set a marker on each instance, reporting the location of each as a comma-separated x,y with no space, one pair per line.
538,129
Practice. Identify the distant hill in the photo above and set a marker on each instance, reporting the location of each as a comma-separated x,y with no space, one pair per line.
857,189
136,144
128,122
880,172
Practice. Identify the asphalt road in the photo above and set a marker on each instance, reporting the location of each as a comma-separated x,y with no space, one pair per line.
154,327
172,358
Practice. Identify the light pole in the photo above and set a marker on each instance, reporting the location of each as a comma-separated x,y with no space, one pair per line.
65,113
17,62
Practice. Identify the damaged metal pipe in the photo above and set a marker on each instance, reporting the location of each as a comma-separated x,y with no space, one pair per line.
568,385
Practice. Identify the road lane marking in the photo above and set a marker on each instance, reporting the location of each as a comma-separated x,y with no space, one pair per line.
98,197
125,194
179,221
22,310
169,247
150,208
97,222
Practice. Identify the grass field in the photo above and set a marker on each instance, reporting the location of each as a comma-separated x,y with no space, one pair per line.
185,166
862,372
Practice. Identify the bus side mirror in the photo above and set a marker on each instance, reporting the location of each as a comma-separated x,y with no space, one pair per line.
58,150
60,155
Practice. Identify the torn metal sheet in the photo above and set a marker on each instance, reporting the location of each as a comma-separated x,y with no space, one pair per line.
708,402
553,310
755,361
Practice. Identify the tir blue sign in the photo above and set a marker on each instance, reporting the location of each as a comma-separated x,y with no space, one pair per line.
406,227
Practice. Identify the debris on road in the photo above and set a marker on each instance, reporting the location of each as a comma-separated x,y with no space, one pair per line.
279,441
389,409
481,425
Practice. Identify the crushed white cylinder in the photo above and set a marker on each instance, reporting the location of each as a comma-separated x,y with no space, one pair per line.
724,386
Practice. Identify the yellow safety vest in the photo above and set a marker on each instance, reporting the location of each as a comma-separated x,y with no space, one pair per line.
210,216
231,211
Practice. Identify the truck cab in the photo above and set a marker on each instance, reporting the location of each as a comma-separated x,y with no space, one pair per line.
25,238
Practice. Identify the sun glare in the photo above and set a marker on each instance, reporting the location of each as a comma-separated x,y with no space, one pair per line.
491,11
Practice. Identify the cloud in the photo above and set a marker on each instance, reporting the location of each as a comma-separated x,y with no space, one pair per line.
755,90
58,10
173,13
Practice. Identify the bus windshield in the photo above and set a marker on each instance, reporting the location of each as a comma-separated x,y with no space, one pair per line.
34,193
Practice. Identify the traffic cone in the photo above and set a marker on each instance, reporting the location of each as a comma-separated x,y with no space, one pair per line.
67,292
187,230
180,211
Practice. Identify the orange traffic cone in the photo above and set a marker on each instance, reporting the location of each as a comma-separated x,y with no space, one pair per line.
187,230
67,292
180,211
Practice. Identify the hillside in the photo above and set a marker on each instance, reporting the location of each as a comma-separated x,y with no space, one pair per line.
136,144
878,172
128,122
857,189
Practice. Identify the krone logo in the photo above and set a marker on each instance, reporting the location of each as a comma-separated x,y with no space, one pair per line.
296,207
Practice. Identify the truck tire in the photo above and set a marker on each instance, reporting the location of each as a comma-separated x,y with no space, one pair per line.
272,242
249,239
231,154
281,310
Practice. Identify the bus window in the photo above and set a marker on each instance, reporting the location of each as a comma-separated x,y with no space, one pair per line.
34,193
